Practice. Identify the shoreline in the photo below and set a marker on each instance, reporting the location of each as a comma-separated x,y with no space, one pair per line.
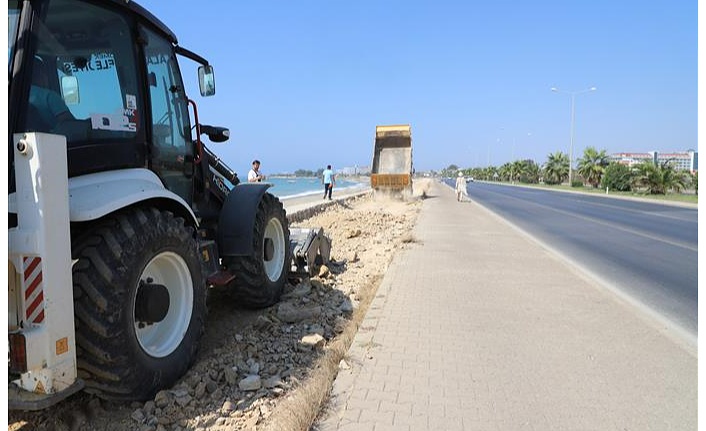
344,187
341,191
300,207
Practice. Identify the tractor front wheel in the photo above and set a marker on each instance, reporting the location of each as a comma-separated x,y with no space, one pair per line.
261,276
140,303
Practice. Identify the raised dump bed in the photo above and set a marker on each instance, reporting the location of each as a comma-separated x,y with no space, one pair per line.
391,171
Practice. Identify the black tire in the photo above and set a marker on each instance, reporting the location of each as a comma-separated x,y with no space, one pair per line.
260,277
121,357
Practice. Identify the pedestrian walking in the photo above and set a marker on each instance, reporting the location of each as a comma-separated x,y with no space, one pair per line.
460,187
329,180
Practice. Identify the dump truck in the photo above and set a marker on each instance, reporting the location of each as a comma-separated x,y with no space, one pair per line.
120,217
392,170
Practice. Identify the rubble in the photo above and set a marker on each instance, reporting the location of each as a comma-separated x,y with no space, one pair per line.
249,360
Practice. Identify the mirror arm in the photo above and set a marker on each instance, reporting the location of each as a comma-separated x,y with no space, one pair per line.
199,144
191,55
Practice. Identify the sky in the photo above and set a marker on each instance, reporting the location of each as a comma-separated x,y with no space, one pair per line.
302,84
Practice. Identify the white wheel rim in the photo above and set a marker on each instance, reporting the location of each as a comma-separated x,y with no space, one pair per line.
162,338
275,233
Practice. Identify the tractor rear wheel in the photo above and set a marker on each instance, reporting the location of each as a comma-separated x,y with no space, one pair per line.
140,303
260,277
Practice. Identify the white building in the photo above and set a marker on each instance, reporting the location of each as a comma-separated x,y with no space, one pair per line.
682,161
355,170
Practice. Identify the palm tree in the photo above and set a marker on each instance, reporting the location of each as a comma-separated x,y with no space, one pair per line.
556,170
490,173
529,172
477,173
516,169
505,172
592,165
658,179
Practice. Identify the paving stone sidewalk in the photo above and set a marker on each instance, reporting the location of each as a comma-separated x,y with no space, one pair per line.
477,327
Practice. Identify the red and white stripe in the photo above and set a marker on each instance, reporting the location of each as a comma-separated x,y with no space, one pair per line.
34,289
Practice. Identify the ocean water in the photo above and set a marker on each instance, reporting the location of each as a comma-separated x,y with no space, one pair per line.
288,187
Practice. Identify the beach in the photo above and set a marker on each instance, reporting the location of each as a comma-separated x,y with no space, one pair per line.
295,187
297,203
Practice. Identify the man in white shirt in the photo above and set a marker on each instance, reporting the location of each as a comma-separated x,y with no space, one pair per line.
461,190
254,176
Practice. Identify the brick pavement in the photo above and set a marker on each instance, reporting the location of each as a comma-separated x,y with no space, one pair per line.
477,327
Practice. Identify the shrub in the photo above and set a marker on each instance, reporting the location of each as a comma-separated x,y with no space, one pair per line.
617,177
576,183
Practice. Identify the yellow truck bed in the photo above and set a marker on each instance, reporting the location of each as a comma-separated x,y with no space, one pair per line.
390,180
392,158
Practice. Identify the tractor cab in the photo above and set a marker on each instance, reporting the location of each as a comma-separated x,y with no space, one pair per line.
120,217
106,78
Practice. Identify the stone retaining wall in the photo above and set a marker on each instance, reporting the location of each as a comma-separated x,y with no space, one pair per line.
301,215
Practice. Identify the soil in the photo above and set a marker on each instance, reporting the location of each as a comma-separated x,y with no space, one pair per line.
252,364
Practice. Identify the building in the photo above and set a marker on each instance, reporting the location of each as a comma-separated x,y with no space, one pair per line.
355,170
682,161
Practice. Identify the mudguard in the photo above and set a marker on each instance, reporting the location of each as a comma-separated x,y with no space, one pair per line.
237,219
95,195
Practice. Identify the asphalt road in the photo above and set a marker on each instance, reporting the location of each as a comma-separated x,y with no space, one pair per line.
645,251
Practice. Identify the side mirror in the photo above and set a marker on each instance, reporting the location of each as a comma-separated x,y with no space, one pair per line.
215,134
207,81
69,90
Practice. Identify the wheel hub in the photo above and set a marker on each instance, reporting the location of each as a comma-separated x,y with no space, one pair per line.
269,249
152,302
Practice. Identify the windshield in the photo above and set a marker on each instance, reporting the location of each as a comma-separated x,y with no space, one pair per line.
13,18
84,80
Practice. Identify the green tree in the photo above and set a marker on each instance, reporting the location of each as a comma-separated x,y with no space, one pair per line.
505,172
617,177
592,165
529,172
491,173
556,169
658,179
304,173
478,173
516,169
450,171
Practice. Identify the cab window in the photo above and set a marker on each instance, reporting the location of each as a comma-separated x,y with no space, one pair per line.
170,128
84,77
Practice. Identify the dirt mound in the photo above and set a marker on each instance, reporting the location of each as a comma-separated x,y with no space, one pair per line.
264,369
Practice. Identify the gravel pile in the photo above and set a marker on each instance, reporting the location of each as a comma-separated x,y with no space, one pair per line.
250,360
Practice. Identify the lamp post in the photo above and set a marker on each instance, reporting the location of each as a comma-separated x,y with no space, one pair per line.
514,141
571,144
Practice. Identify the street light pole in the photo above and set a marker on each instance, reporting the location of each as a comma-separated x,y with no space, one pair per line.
573,110
571,140
513,149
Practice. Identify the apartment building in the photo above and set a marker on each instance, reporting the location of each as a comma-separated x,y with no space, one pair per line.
683,161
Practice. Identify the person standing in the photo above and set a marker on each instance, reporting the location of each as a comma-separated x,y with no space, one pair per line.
255,176
329,180
460,186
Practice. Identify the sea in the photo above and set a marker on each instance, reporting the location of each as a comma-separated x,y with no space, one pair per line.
290,187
